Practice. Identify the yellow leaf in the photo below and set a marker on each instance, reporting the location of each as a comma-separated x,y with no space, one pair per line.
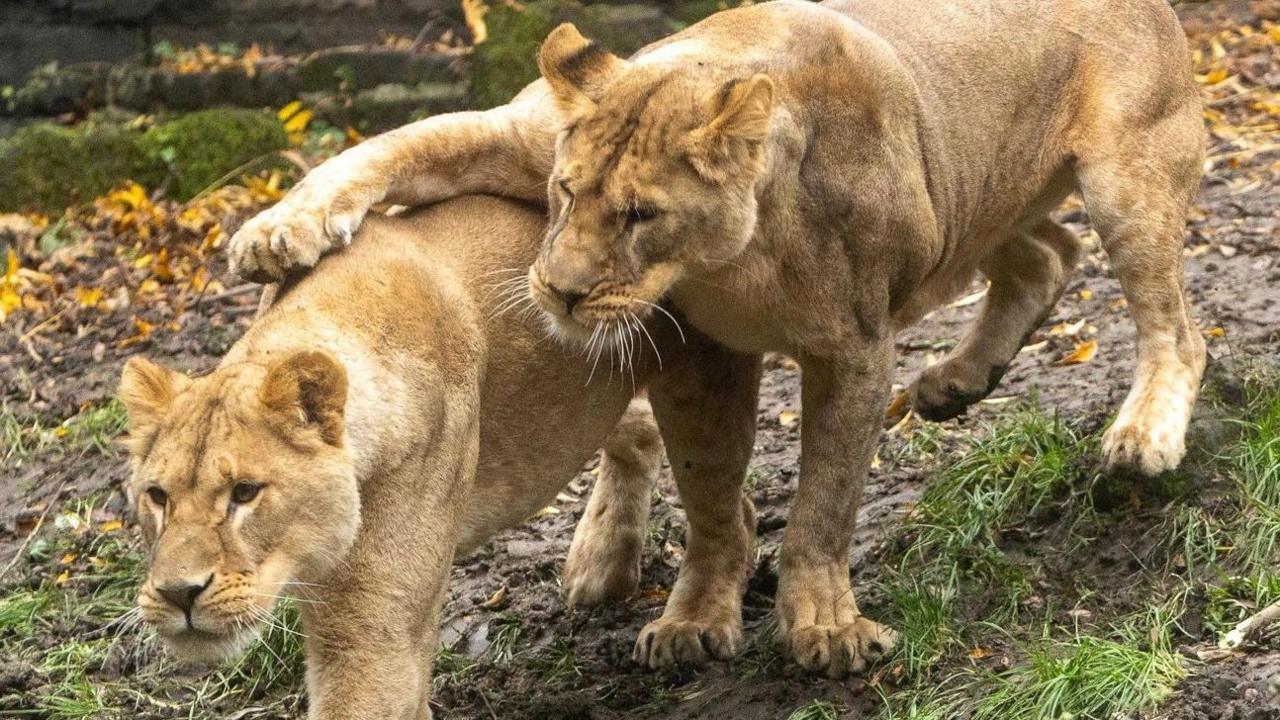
1083,353
88,297
978,653
111,526
787,418
1213,77
473,11
655,593
1215,332
144,261
61,431
63,577
11,272
1071,329
353,136
298,123
1086,294
67,559
496,599
289,110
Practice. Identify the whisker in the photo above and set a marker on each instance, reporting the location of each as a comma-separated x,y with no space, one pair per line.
645,330
671,317
597,343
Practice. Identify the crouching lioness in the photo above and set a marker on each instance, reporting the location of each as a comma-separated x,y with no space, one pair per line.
372,424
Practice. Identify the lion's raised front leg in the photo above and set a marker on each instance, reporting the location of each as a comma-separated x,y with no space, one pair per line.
604,559
506,151
821,626
1028,273
705,403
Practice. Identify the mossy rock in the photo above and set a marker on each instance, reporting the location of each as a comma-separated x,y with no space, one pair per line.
507,61
202,147
48,167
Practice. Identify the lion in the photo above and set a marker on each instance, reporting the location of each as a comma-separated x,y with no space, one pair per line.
811,178
383,415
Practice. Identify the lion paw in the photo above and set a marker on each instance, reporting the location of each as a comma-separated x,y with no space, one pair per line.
293,234
838,650
598,572
946,390
665,643
1151,445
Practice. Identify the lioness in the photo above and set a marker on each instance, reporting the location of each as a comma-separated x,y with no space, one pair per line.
809,178
370,425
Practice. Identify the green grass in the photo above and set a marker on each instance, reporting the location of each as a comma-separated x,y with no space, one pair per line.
504,635
818,710
1029,475
92,429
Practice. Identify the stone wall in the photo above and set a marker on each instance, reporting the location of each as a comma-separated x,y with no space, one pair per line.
36,32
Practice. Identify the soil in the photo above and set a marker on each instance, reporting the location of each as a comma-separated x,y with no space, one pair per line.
1233,279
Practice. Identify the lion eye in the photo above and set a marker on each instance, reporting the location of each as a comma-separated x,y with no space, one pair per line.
642,213
244,492
158,496
564,185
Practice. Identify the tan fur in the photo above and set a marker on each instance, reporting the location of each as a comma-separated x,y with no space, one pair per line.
389,425
810,178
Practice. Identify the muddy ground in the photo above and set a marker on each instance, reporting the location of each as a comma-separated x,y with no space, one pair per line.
1233,279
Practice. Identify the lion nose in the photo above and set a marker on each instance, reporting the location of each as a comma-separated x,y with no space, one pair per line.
570,298
182,594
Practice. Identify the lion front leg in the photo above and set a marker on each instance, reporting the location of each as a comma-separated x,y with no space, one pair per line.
372,625
706,409
821,626
505,151
604,559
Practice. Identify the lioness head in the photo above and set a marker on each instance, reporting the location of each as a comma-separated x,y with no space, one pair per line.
654,179
243,491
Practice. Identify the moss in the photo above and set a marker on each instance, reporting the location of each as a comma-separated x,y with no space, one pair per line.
48,167
507,61
204,146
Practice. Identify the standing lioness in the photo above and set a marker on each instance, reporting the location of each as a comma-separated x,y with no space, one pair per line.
810,178
371,424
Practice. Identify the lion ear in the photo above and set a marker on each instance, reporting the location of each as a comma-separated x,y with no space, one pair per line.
743,111
310,387
577,69
147,391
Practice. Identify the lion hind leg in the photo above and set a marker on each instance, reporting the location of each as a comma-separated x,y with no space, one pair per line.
1136,194
604,559
1028,273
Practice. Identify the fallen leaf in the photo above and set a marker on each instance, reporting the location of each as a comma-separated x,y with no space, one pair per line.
496,600
787,418
88,297
1086,294
1083,353
67,559
1215,332
979,652
111,526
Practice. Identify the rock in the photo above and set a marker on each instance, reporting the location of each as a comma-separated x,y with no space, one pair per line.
369,67
49,167
388,106
53,90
